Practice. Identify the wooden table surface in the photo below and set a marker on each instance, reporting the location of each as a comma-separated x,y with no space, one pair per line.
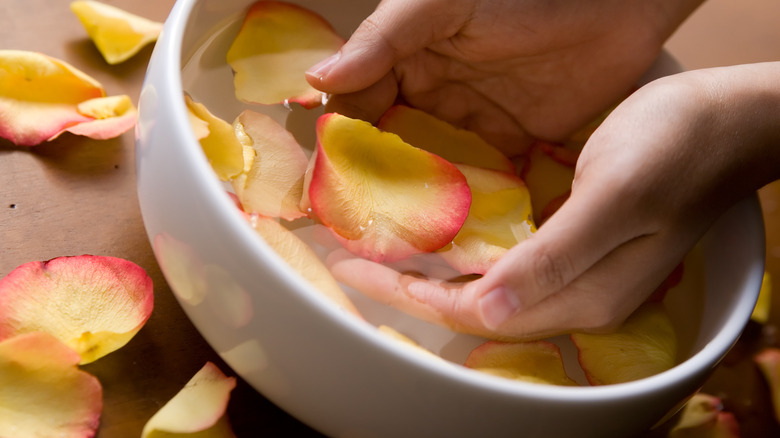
78,196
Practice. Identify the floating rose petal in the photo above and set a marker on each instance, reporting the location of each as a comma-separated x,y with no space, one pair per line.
39,96
302,259
386,199
117,34
406,340
42,391
93,304
273,186
455,145
768,361
275,46
219,143
499,218
199,408
548,172
703,417
534,361
644,345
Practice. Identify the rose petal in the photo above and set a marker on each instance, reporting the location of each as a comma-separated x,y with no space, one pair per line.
302,259
644,345
386,199
117,34
455,145
93,304
273,185
110,117
42,391
222,148
199,408
764,304
548,172
703,417
533,361
768,361
499,218
275,46
39,96
406,340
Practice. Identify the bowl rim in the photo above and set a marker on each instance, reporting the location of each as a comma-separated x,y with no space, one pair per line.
708,356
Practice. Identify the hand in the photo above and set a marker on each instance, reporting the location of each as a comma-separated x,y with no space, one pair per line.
649,182
510,71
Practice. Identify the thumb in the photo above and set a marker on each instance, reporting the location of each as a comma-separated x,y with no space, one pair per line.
395,30
585,229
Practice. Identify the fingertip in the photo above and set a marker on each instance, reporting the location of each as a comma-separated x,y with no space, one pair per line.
318,73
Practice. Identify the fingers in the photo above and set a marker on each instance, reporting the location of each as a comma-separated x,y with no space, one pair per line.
599,299
396,29
368,104
586,228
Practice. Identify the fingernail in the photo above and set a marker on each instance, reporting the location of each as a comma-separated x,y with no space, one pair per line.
320,69
497,306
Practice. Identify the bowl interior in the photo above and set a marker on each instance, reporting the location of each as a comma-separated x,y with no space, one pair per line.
731,253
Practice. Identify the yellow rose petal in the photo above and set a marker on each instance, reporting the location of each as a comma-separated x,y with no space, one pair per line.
93,304
117,34
39,96
199,408
42,391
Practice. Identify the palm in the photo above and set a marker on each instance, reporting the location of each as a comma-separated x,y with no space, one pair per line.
513,71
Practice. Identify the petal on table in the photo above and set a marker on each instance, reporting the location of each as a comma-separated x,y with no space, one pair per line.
198,408
117,34
42,391
111,116
93,304
39,96
703,417
768,361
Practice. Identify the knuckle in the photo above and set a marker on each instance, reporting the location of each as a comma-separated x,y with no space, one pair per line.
551,273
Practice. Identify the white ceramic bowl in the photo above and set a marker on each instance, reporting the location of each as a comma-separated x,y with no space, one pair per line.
331,370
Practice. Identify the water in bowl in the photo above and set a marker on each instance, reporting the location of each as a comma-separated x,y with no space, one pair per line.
209,80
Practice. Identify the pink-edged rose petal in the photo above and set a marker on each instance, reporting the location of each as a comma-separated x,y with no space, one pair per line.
110,117
644,345
703,417
533,361
94,304
384,198
117,34
499,218
455,145
39,96
42,391
275,46
768,361
198,409
273,185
